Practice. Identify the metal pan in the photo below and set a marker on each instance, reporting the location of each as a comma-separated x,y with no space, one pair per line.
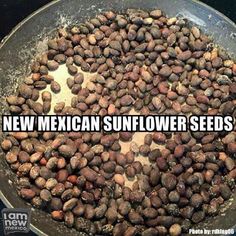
29,39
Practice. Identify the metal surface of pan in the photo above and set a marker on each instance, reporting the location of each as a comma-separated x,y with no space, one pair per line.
29,38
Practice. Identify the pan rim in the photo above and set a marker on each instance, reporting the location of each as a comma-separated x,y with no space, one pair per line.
15,28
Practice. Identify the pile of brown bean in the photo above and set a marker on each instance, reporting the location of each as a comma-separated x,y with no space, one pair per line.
154,65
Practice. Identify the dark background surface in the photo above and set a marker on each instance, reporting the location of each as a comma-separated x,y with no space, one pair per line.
14,11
